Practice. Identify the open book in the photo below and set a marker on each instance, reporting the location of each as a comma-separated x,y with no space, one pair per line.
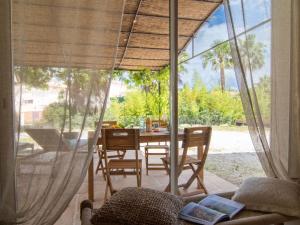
210,210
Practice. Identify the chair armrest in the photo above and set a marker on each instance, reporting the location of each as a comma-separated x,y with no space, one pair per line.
86,209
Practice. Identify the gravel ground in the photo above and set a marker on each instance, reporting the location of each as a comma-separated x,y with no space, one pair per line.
223,141
234,167
232,156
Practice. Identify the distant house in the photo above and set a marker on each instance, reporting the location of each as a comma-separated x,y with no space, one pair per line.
35,101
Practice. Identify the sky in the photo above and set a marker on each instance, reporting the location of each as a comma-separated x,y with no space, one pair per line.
215,28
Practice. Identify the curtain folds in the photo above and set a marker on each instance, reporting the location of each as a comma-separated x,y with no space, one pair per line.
64,54
244,65
278,147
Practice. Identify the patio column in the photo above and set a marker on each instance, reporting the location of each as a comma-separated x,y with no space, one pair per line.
173,7
7,153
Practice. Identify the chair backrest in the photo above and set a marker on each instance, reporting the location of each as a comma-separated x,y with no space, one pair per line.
196,137
120,139
47,138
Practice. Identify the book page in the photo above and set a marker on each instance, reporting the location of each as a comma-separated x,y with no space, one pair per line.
222,205
199,214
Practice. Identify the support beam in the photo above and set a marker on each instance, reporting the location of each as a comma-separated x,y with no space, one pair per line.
153,33
163,16
131,30
7,146
174,94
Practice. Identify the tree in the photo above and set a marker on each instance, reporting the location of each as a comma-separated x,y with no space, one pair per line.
33,77
80,82
54,114
219,58
252,52
263,93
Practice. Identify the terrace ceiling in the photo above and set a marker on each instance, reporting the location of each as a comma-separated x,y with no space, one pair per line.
143,41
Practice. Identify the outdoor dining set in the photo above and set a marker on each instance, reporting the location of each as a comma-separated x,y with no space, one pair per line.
114,143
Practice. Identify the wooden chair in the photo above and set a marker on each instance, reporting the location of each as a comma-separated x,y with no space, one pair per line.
119,154
161,149
155,150
116,154
121,139
193,137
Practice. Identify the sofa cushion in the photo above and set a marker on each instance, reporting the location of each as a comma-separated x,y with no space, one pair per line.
139,206
270,195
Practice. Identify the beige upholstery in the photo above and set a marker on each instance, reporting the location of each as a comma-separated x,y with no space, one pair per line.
270,195
246,217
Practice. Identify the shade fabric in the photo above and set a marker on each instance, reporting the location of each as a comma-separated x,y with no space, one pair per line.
143,42
56,104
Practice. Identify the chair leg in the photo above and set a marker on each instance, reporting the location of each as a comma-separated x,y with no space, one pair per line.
168,187
99,162
140,177
202,184
103,170
106,192
97,168
146,159
137,178
100,166
166,166
198,178
108,181
195,176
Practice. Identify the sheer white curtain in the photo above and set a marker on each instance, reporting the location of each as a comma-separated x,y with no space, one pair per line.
285,133
63,56
270,155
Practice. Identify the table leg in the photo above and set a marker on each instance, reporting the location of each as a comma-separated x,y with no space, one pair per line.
91,169
91,180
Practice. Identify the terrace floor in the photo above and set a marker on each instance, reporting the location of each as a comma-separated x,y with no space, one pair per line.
155,180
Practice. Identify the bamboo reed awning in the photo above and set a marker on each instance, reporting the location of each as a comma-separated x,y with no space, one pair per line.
41,39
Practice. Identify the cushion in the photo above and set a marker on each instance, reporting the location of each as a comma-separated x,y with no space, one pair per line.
270,195
139,206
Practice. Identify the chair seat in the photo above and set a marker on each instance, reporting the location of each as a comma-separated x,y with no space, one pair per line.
124,164
113,153
157,147
188,160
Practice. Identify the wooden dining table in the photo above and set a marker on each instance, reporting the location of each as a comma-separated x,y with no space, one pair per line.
145,137
154,136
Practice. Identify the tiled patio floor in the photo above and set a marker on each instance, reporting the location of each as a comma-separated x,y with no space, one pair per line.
155,180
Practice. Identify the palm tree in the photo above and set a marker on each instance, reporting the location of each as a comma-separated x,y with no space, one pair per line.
252,52
219,59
